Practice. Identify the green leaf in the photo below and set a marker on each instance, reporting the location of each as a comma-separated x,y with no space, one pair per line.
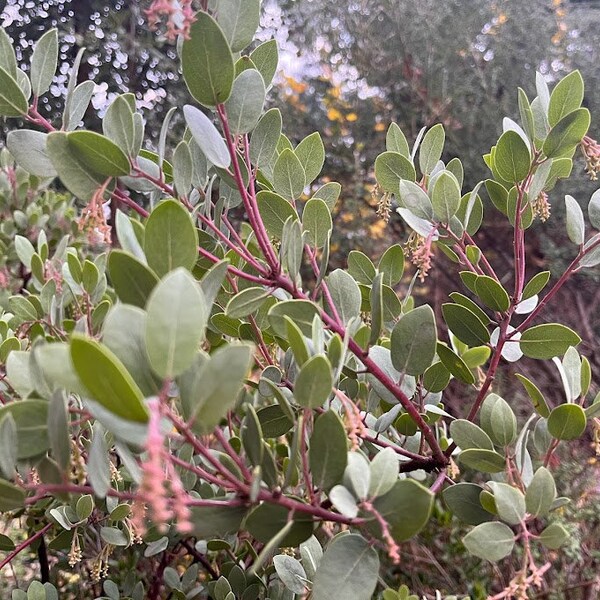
376,302
536,284
465,325
316,222
463,501
207,62
275,422
566,97
384,469
554,536
22,308
99,463
537,398
509,501
98,153
328,451
274,211
76,108
118,125
30,418
214,521
391,264
291,572
547,340
474,308
251,435
132,280
567,422
436,378
239,20
492,294
416,200
467,435
490,541
431,148
74,174
329,193
311,153
297,342
9,445
170,239
349,569
344,501
302,312
246,302
571,374
593,209
361,267
11,496
406,508
288,175
567,133
8,60
177,317
487,461
57,367
13,102
575,221
124,333
59,436
265,58
498,420
114,536
413,341
345,294
512,159
207,137
526,114
183,169
445,196
245,104
455,364
43,62
311,553
391,168
455,167
314,382
540,493
211,386
498,195
266,520
263,143
109,383
395,141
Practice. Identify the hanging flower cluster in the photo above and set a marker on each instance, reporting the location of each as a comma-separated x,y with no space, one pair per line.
161,489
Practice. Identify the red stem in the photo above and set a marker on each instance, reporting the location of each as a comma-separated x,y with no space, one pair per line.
248,200
25,544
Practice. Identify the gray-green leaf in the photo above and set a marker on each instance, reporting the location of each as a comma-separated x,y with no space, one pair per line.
177,316
413,341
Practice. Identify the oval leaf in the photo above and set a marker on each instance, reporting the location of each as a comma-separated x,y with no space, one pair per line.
413,341
107,380
207,62
177,316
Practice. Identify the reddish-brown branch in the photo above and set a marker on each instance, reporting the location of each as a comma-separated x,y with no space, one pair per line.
30,540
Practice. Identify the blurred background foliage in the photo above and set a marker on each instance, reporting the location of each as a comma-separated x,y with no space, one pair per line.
348,69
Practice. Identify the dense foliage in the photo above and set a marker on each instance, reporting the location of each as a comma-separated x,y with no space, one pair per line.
194,409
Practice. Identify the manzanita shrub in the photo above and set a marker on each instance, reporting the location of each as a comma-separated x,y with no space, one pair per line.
194,405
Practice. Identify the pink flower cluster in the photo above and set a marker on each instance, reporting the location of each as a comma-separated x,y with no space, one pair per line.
179,17
161,489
